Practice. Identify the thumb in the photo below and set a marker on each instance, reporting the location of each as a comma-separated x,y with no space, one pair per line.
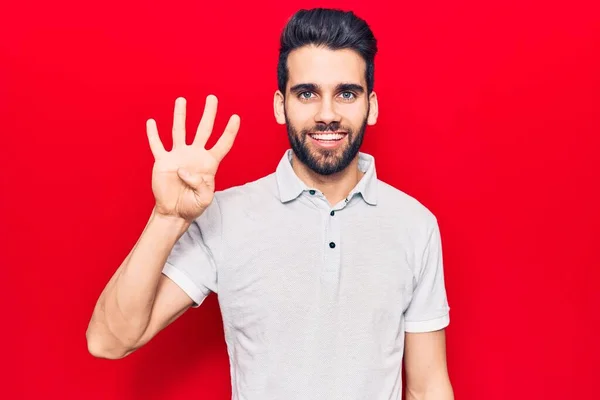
195,181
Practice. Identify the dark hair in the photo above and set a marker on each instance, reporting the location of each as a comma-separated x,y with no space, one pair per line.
331,28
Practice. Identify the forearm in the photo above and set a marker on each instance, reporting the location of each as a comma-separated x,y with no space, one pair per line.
439,391
124,308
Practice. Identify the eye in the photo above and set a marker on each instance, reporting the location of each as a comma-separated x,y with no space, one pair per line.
348,96
305,95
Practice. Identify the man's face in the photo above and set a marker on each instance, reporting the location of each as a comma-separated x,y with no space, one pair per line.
326,107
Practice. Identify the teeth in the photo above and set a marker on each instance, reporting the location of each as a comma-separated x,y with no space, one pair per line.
327,136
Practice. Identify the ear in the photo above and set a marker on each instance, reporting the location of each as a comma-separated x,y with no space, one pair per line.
373,110
278,107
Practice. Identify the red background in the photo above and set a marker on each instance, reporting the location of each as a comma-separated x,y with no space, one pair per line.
488,115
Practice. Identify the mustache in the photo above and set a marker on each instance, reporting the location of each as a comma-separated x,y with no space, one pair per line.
331,127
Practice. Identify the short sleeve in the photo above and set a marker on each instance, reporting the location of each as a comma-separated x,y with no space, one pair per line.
428,310
192,264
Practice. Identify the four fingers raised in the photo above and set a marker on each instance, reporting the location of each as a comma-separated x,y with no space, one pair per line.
219,150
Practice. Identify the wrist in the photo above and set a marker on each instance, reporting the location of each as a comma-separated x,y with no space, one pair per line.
170,223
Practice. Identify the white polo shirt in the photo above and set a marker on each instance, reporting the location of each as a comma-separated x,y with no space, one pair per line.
315,298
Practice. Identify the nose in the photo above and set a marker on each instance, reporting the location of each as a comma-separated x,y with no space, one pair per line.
327,112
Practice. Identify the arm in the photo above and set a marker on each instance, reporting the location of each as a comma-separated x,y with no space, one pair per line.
425,366
138,301
427,316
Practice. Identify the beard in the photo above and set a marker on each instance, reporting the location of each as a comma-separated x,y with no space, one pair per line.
324,161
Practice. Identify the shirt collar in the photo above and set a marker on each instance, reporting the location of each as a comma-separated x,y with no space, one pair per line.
290,186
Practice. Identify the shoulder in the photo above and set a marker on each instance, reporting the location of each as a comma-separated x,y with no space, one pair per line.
405,209
248,199
239,200
259,189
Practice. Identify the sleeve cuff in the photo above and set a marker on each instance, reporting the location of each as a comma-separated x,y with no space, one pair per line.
427,326
186,284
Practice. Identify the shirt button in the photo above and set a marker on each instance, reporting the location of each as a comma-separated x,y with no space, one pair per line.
332,245
312,192
332,213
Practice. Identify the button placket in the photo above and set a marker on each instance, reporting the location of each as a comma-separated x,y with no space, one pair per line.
332,243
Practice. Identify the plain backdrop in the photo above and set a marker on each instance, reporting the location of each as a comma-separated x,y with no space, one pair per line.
489,115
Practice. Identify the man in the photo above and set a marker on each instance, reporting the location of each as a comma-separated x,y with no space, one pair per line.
327,277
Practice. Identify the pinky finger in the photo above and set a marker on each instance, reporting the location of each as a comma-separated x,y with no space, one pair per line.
156,145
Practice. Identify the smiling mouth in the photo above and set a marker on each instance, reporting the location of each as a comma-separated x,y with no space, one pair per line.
328,137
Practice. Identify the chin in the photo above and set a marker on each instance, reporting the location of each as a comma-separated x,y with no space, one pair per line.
330,166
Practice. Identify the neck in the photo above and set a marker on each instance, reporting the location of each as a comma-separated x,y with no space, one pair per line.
336,186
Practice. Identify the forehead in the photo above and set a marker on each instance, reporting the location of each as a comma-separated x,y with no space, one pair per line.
322,66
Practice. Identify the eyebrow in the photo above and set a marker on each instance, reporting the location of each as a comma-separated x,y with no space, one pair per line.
341,87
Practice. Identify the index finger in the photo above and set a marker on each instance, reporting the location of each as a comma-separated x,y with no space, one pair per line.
223,145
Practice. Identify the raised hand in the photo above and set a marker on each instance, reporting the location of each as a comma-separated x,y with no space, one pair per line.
183,179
